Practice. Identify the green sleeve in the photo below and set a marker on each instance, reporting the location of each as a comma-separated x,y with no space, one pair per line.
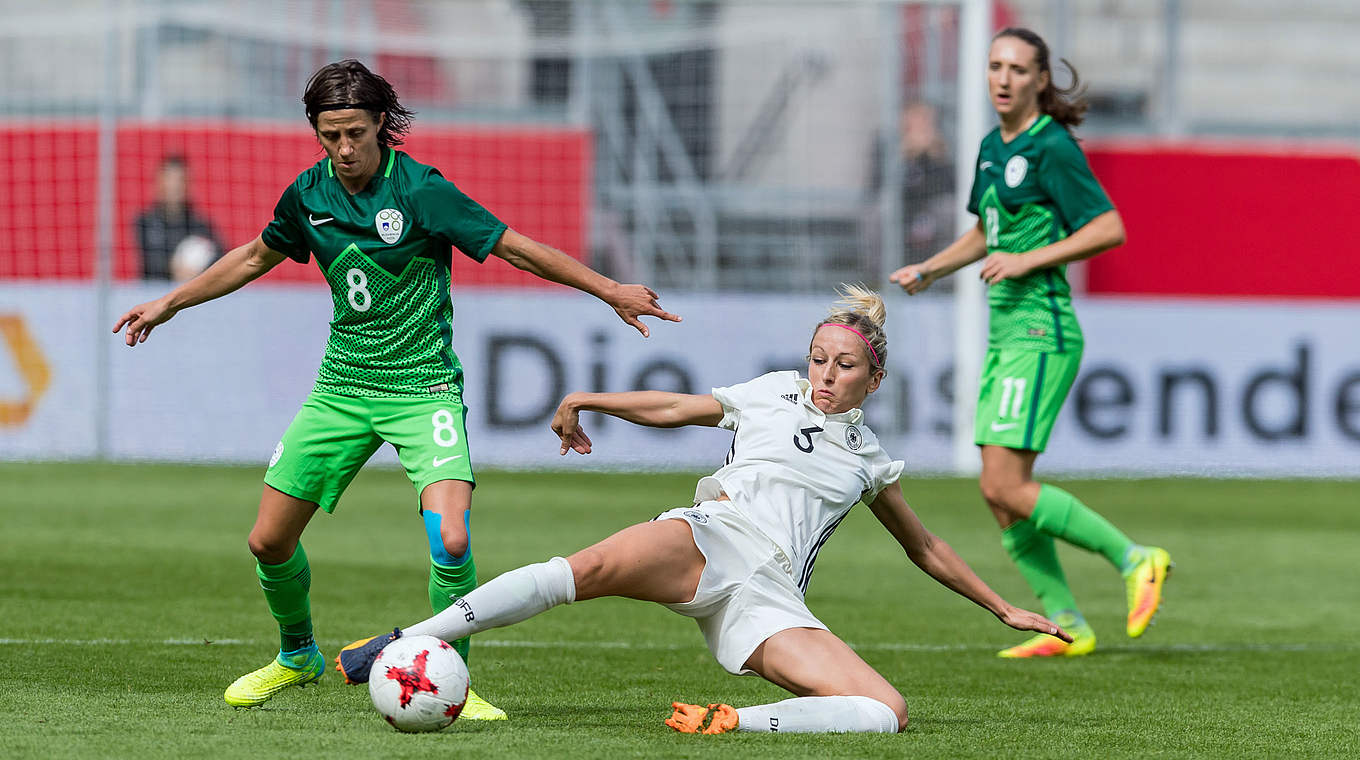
283,233
449,215
975,195
1068,180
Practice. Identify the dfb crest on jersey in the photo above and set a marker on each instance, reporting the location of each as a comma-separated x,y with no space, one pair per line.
389,223
853,438
1015,171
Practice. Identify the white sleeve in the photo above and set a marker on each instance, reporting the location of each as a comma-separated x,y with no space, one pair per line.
735,398
884,471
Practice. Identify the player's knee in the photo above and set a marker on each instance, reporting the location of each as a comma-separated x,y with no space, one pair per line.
451,548
448,539
588,569
271,549
895,702
993,491
1000,493
898,704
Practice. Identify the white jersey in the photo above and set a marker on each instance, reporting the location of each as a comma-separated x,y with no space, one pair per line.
793,470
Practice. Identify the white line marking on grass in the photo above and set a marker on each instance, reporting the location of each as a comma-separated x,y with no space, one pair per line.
1191,648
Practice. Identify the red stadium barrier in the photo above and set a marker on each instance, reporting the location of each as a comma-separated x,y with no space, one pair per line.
1237,220
536,180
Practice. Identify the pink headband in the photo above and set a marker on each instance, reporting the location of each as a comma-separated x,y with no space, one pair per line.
872,352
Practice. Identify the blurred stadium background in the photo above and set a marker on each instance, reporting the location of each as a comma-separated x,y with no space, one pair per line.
741,157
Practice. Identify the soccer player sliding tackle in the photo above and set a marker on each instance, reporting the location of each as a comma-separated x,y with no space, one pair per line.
740,559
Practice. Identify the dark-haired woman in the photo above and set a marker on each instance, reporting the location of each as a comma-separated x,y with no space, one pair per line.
382,227
1039,207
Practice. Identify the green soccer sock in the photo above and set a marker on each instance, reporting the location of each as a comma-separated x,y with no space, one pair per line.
1061,515
448,582
285,589
1037,558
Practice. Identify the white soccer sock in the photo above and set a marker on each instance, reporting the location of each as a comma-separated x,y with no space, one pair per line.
506,599
807,715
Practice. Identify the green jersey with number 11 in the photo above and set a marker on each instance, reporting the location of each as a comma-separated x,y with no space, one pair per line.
1030,192
386,253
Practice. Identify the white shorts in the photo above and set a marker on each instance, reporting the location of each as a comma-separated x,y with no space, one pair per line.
746,593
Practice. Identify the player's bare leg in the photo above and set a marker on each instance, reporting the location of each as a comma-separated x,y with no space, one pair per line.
285,578
446,508
655,561
837,691
1008,486
1007,483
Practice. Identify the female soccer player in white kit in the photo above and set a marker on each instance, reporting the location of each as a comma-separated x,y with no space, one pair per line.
739,560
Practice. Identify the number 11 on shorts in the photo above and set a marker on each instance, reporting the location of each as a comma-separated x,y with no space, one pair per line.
1012,395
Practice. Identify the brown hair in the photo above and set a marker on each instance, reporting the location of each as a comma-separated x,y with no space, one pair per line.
349,84
862,310
1067,105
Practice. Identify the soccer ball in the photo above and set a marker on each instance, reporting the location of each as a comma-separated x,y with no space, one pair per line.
418,683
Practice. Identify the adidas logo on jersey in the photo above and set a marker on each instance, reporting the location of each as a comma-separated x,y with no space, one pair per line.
792,398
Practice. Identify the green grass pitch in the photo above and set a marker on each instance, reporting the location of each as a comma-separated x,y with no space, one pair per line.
128,602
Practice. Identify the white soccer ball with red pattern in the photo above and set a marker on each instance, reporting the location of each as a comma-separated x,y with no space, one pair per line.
418,683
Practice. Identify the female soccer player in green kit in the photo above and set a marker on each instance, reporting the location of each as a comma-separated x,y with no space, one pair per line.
381,227
1039,207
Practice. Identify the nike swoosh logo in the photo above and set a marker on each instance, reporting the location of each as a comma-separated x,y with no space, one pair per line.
439,461
318,222
1007,426
983,166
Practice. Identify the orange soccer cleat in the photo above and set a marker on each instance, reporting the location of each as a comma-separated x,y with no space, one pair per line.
690,719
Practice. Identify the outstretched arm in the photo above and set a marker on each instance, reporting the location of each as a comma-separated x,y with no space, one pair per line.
971,246
660,409
238,267
630,301
930,553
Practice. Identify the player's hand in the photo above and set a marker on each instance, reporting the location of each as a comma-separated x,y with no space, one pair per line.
1024,620
142,319
566,423
1004,266
913,279
633,301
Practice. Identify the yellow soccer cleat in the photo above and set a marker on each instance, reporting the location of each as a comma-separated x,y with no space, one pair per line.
1043,645
477,708
691,719
257,687
1143,586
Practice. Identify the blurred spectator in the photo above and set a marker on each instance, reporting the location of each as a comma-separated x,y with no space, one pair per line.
175,242
926,181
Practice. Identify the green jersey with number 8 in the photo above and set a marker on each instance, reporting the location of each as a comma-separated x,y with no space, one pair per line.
386,253
1030,192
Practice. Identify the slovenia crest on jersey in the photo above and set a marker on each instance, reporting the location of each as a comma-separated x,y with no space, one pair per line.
389,222
853,438
1015,171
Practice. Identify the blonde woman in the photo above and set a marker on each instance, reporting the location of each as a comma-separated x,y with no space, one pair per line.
739,560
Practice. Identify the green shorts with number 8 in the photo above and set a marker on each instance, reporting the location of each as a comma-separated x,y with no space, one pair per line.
1020,395
332,436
